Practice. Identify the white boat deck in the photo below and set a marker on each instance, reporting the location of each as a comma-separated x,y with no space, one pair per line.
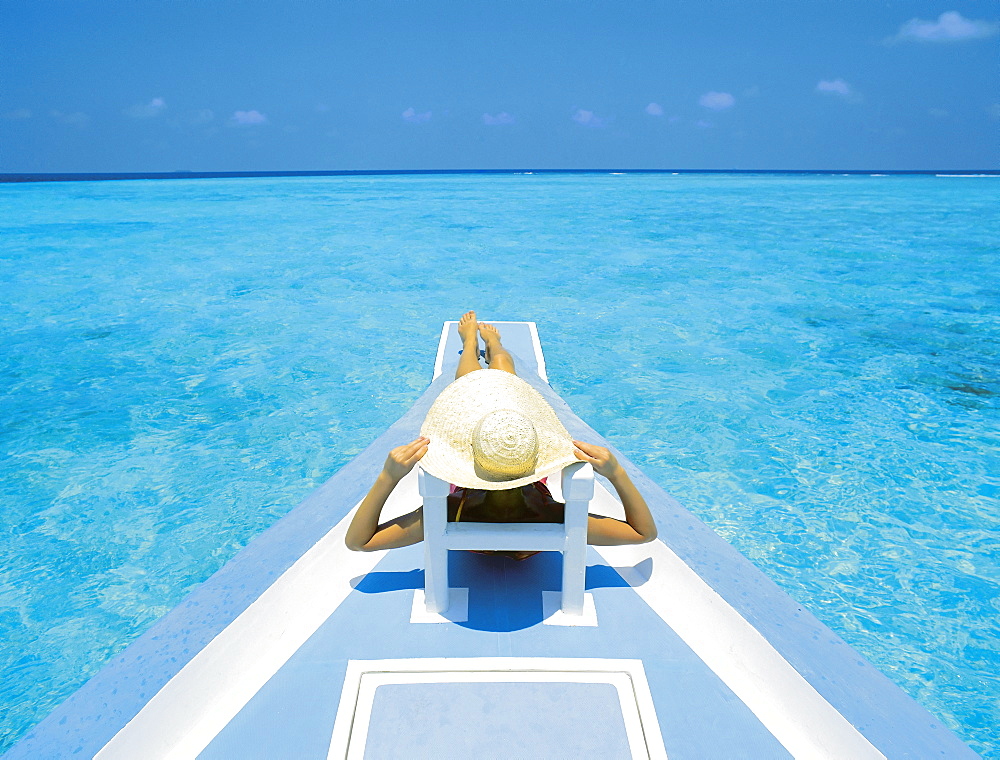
299,648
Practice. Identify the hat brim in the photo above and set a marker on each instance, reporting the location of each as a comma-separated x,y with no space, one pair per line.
453,416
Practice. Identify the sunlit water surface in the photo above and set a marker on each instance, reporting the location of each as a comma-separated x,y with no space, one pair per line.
810,364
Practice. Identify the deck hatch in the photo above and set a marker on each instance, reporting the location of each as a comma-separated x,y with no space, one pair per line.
468,703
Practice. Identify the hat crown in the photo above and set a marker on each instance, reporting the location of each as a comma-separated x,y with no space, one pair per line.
505,445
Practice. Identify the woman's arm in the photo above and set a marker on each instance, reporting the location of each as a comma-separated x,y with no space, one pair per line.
638,527
365,534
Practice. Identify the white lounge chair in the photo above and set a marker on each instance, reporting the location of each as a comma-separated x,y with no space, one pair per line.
569,537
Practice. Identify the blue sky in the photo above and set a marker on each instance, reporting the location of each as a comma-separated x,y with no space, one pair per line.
231,85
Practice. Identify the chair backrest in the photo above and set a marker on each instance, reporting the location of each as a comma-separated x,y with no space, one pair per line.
569,537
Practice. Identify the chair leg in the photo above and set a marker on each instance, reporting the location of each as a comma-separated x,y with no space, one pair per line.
578,490
434,492
574,577
436,595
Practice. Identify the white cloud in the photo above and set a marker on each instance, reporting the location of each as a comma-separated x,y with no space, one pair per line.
77,118
18,114
416,117
499,120
702,124
834,87
654,109
949,27
146,110
751,92
717,101
248,118
589,119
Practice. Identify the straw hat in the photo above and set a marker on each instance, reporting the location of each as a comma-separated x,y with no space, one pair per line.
491,430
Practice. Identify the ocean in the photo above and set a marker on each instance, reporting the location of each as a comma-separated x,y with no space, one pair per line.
810,363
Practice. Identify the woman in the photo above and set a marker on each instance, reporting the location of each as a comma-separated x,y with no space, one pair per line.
496,439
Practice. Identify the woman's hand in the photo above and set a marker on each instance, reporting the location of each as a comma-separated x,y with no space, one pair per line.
638,526
364,533
603,461
402,458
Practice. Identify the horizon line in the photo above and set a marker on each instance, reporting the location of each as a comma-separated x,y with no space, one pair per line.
19,177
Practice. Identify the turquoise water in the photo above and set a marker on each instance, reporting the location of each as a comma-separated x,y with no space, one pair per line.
809,363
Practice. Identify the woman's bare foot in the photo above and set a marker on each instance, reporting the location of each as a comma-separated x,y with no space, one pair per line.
468,331
468,327
491,336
